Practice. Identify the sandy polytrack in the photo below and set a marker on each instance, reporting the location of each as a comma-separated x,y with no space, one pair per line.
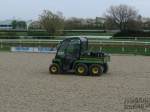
27,86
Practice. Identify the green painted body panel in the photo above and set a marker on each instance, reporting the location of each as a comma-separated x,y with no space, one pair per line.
58,61
92,60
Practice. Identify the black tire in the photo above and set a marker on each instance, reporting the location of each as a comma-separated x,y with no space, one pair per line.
95,70
54,69
106,67
81,69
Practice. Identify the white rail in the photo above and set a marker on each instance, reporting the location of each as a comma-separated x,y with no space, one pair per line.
91,41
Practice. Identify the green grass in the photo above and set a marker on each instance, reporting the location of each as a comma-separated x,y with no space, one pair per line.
70,33
21,33
2,33
90,33
5,49
116,50
18,33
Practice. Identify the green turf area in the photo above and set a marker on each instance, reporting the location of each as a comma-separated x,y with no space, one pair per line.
68,33
15,33
116,50
90,33
21,33
5,49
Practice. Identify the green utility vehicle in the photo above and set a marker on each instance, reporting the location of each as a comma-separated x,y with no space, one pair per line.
72,55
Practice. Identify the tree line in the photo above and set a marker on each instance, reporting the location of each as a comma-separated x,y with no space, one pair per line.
19,24
122,17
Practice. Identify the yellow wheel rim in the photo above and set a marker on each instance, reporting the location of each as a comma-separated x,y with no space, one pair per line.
54,69
80,69
95,70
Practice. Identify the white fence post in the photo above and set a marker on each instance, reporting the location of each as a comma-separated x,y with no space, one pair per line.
146,48
100,47
123,47
135,46
39,43
20,43
1,44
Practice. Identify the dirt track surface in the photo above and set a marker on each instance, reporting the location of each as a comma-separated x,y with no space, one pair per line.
27,86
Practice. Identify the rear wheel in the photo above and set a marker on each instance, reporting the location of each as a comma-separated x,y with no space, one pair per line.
106,67
95,70
81,69
54,69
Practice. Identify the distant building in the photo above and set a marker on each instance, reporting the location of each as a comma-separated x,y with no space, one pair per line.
100,19
6,24
146,23
145,19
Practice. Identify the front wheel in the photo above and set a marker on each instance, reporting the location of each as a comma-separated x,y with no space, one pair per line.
95,70
54,69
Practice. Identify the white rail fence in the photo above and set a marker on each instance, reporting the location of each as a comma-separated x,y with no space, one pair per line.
4,43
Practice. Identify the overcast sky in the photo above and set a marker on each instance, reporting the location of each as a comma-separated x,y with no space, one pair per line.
31,9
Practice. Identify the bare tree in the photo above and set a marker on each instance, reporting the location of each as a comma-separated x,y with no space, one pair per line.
123,17
52,23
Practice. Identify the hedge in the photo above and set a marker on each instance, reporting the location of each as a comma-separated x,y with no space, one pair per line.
132,33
